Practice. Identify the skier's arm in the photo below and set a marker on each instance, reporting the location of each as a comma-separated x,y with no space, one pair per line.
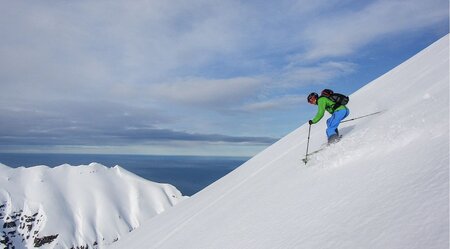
320,112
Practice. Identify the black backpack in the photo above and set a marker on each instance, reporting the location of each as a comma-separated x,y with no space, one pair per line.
339,99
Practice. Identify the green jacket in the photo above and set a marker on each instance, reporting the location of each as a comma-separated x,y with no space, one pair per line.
327,104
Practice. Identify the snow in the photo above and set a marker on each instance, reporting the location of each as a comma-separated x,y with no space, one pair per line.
83,205
384,185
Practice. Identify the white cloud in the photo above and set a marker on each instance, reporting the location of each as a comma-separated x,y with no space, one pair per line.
208,92
322,73
284,102
345,32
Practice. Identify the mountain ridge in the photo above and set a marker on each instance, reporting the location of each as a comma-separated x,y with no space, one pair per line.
85,206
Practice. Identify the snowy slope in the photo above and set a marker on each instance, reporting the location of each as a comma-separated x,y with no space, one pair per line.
69,206
385,185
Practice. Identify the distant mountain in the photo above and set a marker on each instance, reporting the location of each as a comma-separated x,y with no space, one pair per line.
384,185
87,206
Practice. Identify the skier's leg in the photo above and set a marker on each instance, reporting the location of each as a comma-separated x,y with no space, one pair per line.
334,121
330,124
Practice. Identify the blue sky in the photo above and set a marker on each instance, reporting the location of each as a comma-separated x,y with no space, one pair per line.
190,77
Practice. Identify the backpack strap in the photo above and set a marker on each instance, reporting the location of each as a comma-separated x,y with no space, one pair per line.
336,106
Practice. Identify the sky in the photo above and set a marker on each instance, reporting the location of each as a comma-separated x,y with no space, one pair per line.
172,77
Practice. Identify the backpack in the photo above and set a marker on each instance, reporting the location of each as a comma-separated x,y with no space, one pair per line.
337,98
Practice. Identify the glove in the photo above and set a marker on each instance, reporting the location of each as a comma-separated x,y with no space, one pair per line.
310,122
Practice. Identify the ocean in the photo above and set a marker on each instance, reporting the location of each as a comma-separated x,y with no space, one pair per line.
189,174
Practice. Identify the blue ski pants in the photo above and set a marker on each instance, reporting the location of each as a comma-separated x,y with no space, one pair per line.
334,121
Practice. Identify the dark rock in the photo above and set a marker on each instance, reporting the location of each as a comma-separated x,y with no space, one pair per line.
38,242
9,224
30,219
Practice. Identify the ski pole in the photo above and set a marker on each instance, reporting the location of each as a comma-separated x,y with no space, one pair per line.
361,117
307,146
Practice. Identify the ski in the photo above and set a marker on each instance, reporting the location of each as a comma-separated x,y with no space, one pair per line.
305,160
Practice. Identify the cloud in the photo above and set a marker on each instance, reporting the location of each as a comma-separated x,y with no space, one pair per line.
284,102
322,73
208,92
132,41
345,32
101,124
171,135
73,135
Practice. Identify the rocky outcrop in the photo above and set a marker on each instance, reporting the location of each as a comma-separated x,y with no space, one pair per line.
21,229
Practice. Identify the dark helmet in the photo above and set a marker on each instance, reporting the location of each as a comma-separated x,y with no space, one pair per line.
312,96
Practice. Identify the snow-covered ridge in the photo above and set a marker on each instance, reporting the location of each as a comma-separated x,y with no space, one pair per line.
384,185
86,206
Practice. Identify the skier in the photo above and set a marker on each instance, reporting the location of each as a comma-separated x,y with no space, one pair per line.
338,113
